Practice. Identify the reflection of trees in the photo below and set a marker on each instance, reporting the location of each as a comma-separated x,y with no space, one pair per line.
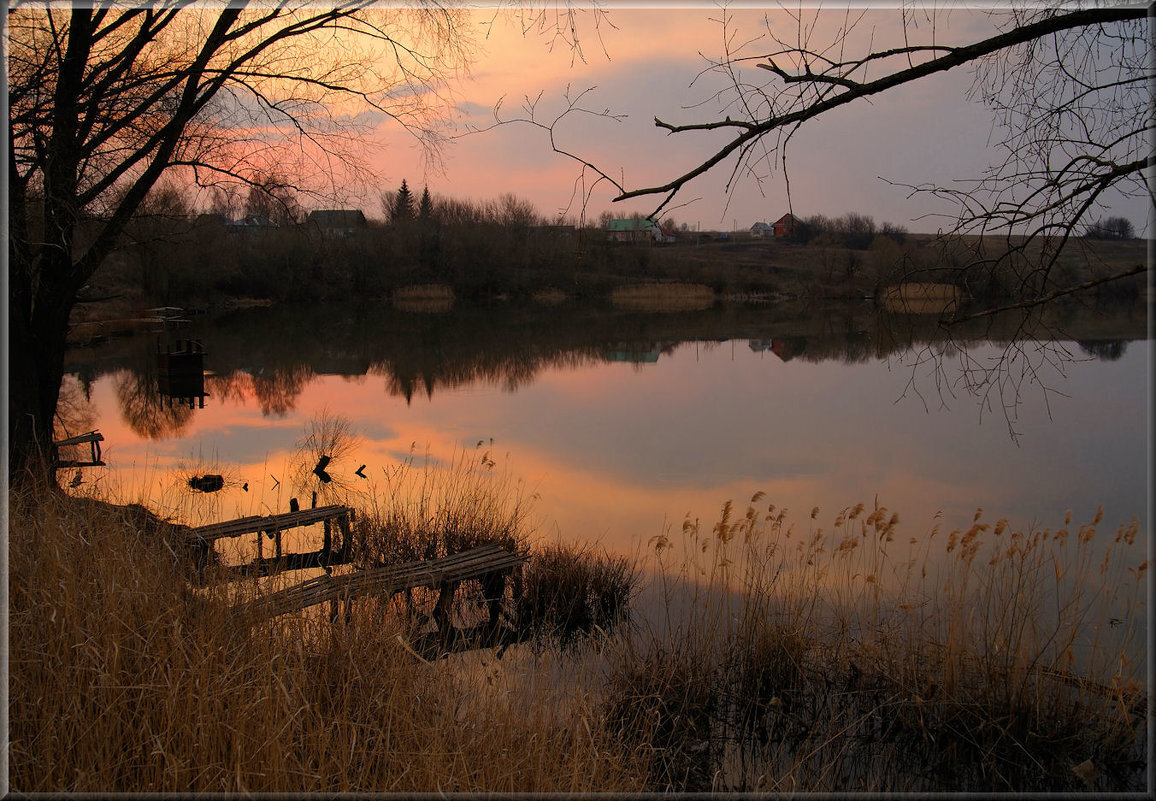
146,411
272,354
510,370
277,390
1106,350
234,387
75,413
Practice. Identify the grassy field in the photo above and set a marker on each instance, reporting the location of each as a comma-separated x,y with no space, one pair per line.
763,653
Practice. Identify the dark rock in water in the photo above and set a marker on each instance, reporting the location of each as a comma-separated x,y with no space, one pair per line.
207,483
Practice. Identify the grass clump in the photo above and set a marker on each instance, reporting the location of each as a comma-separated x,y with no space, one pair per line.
567,592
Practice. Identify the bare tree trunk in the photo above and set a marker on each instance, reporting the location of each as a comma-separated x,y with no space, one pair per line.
37,333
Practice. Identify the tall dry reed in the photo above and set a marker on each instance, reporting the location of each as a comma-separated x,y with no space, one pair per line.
992,659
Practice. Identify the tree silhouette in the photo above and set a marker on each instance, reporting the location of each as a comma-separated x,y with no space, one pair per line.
1069,90
402,208
104,101
425,207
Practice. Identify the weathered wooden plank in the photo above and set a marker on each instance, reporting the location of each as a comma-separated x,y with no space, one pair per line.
258,524
92,439
80,439
386,580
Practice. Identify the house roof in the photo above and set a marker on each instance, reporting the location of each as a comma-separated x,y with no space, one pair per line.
631,224
337,218
253,221
787,219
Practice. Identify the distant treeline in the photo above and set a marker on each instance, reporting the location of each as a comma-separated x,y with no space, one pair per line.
268,247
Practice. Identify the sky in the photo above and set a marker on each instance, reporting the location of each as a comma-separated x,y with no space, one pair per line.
648,62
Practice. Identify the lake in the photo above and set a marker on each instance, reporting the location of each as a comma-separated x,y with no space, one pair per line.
619,425
626,422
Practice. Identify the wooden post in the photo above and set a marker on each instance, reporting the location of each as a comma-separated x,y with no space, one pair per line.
494,591
441,613
326,543
345,526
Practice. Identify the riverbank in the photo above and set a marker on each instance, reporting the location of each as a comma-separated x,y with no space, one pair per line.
213,270
795,662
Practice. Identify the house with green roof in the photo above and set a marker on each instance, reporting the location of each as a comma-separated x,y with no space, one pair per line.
634,229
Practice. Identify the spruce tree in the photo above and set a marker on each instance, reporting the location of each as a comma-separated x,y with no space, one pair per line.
403,204
425,207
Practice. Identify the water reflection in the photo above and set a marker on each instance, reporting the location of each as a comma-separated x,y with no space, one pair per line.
625,422
272,354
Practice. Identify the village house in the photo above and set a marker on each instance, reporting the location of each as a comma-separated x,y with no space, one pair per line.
785,225
252,224
337,222
761,229
632,229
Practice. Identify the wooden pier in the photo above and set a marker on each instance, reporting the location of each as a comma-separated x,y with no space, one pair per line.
200,540
272,524
92,439
487,564
446,573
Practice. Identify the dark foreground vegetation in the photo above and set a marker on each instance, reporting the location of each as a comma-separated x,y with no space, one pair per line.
761,654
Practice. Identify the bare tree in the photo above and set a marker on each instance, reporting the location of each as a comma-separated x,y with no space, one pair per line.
104,100
1069,89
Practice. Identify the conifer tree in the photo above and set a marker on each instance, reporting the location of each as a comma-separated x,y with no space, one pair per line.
425,207
403,204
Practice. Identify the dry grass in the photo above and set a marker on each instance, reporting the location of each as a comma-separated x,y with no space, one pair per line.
124,680
429,298
569,592
838,660
921,298
841,658
663,297
549,297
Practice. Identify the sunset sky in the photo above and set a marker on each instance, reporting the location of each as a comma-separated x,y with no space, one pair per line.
643,62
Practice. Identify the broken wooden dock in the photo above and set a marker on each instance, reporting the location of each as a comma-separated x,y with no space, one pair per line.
444,573
271,524
200,541
92,439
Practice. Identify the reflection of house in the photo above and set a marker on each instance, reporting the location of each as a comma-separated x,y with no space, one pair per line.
761,229
785,225
786,348
181,373
789,347
337,222
637,352
634,230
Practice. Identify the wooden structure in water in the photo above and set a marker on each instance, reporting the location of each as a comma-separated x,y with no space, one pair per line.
202,538
486,562
181,373
92,439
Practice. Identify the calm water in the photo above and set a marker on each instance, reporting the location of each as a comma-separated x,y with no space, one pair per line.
624,426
